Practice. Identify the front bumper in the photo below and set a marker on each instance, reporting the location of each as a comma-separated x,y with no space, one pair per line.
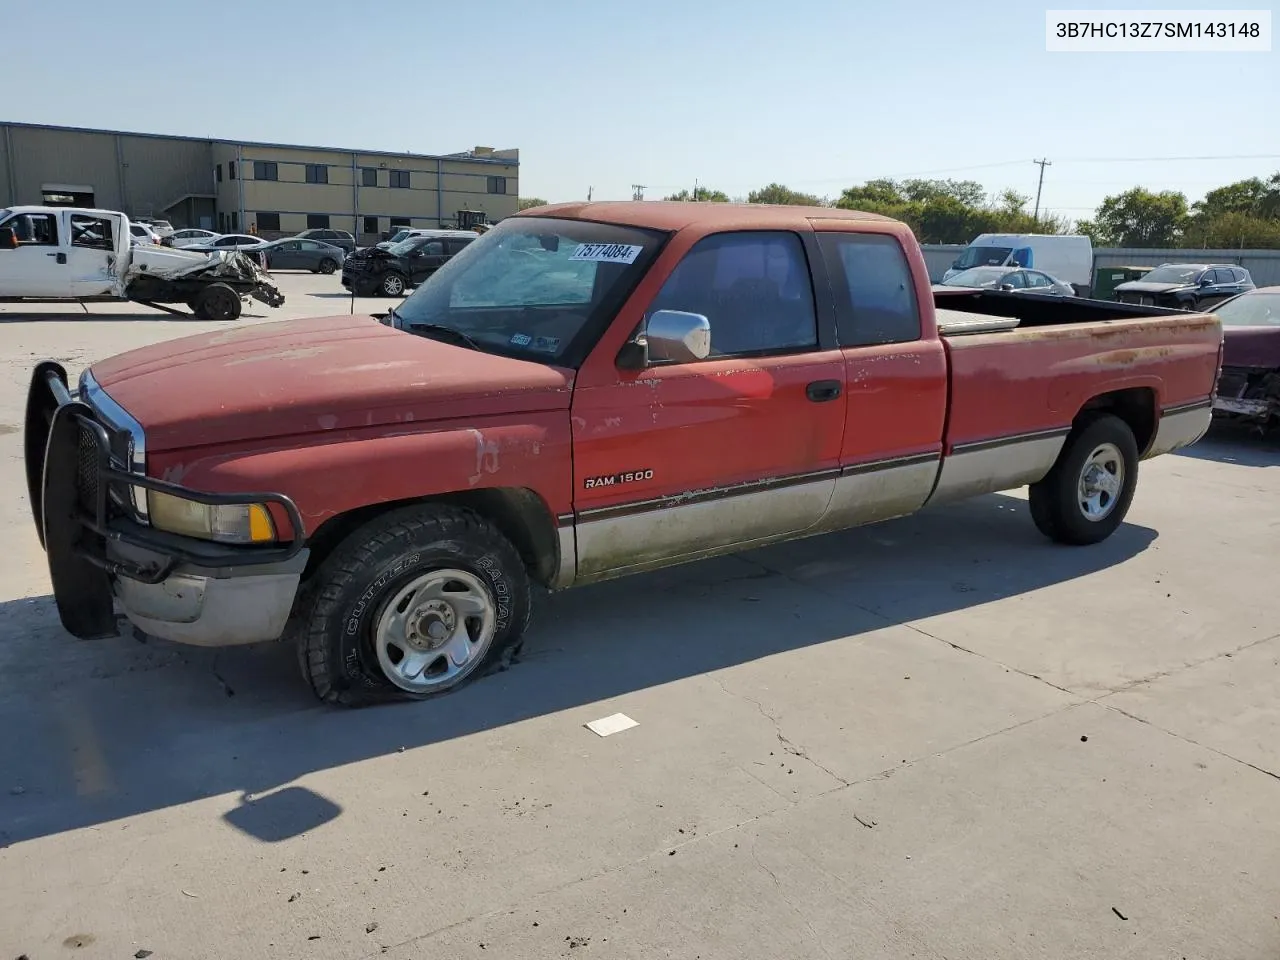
100,550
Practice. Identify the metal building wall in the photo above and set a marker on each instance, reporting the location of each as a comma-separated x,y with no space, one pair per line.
41,156
159,172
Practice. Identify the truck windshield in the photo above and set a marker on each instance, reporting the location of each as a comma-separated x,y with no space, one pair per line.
1251,310
983,257
534,287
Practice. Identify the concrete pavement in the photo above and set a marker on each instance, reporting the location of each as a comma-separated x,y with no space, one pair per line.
936,737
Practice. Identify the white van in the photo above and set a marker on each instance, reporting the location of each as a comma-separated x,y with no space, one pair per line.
1069,259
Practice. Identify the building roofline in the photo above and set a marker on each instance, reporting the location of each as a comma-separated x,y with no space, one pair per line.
498,161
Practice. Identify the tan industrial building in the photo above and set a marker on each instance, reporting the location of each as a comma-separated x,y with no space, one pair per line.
271,188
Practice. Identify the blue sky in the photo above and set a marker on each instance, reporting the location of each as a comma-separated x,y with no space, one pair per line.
817,94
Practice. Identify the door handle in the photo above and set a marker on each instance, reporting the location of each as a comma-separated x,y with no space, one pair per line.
62,257
822,390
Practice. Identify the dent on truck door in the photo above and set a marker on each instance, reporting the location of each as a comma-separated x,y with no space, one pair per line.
897,382
691,459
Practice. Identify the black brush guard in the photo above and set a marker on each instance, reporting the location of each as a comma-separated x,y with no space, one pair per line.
71,474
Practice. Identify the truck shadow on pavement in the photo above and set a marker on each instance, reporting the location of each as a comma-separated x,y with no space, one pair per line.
1236,444
96,731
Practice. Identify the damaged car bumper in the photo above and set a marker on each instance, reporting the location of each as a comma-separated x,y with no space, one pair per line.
1248,394
84,487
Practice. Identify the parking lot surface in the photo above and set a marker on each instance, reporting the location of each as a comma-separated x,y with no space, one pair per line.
941,736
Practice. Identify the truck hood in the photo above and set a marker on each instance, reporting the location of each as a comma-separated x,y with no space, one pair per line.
298,377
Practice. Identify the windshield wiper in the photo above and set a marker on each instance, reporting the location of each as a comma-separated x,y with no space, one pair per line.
457,335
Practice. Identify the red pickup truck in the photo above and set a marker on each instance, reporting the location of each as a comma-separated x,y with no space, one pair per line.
588,390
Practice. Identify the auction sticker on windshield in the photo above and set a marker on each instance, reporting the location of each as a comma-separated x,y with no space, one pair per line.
607,252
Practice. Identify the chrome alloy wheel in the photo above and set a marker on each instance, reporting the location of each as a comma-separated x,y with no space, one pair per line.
435,630
1101,480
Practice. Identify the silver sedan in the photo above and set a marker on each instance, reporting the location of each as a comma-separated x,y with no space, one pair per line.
1010,280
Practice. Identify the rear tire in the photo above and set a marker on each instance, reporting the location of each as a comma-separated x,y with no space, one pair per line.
217,302
1086,495
413,605
327,266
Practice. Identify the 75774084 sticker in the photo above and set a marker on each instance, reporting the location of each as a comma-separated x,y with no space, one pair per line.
607,252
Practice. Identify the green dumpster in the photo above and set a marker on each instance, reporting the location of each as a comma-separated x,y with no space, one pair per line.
1106,279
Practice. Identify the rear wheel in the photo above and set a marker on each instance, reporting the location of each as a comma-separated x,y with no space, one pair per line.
216,302
393,285
411,606
327,266
1086,495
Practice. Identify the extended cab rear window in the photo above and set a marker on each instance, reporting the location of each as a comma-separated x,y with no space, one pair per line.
874,289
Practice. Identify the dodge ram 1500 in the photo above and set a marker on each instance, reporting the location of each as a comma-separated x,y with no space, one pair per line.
586,391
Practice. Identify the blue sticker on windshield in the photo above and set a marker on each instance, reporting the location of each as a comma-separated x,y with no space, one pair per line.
521,339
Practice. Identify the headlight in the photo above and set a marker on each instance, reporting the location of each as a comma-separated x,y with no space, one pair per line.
225,523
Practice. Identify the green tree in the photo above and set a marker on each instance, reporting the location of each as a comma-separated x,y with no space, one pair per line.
1141,218
777,193
528,202
874,196
970,193
701,195
1234,230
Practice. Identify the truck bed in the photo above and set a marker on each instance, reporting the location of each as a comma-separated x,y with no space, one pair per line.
1016,382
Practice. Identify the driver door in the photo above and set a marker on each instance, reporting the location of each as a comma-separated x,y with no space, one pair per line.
689,459
38,267
426,260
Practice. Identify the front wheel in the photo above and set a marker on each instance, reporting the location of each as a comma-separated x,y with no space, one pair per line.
411,606
393,285
1086,495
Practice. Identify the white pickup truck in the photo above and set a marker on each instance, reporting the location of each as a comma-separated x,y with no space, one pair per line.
71,253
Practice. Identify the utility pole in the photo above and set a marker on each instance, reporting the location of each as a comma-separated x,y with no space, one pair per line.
1040,186
637,191
695,189
589,189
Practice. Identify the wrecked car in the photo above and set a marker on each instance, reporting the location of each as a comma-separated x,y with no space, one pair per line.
587,392
1186,286
57,253
1249,386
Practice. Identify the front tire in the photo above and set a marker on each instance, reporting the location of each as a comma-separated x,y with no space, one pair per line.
392,285
1086,495
413,605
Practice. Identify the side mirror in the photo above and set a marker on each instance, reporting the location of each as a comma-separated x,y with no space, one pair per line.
677,336
1006,287
8,239
1206,282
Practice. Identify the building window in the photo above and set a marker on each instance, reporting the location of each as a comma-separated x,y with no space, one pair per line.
317,221
235,220
498,185
370,175
370,224
400,222
268,221
400,178
317,173
217,173
222,221
265,170
231,169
